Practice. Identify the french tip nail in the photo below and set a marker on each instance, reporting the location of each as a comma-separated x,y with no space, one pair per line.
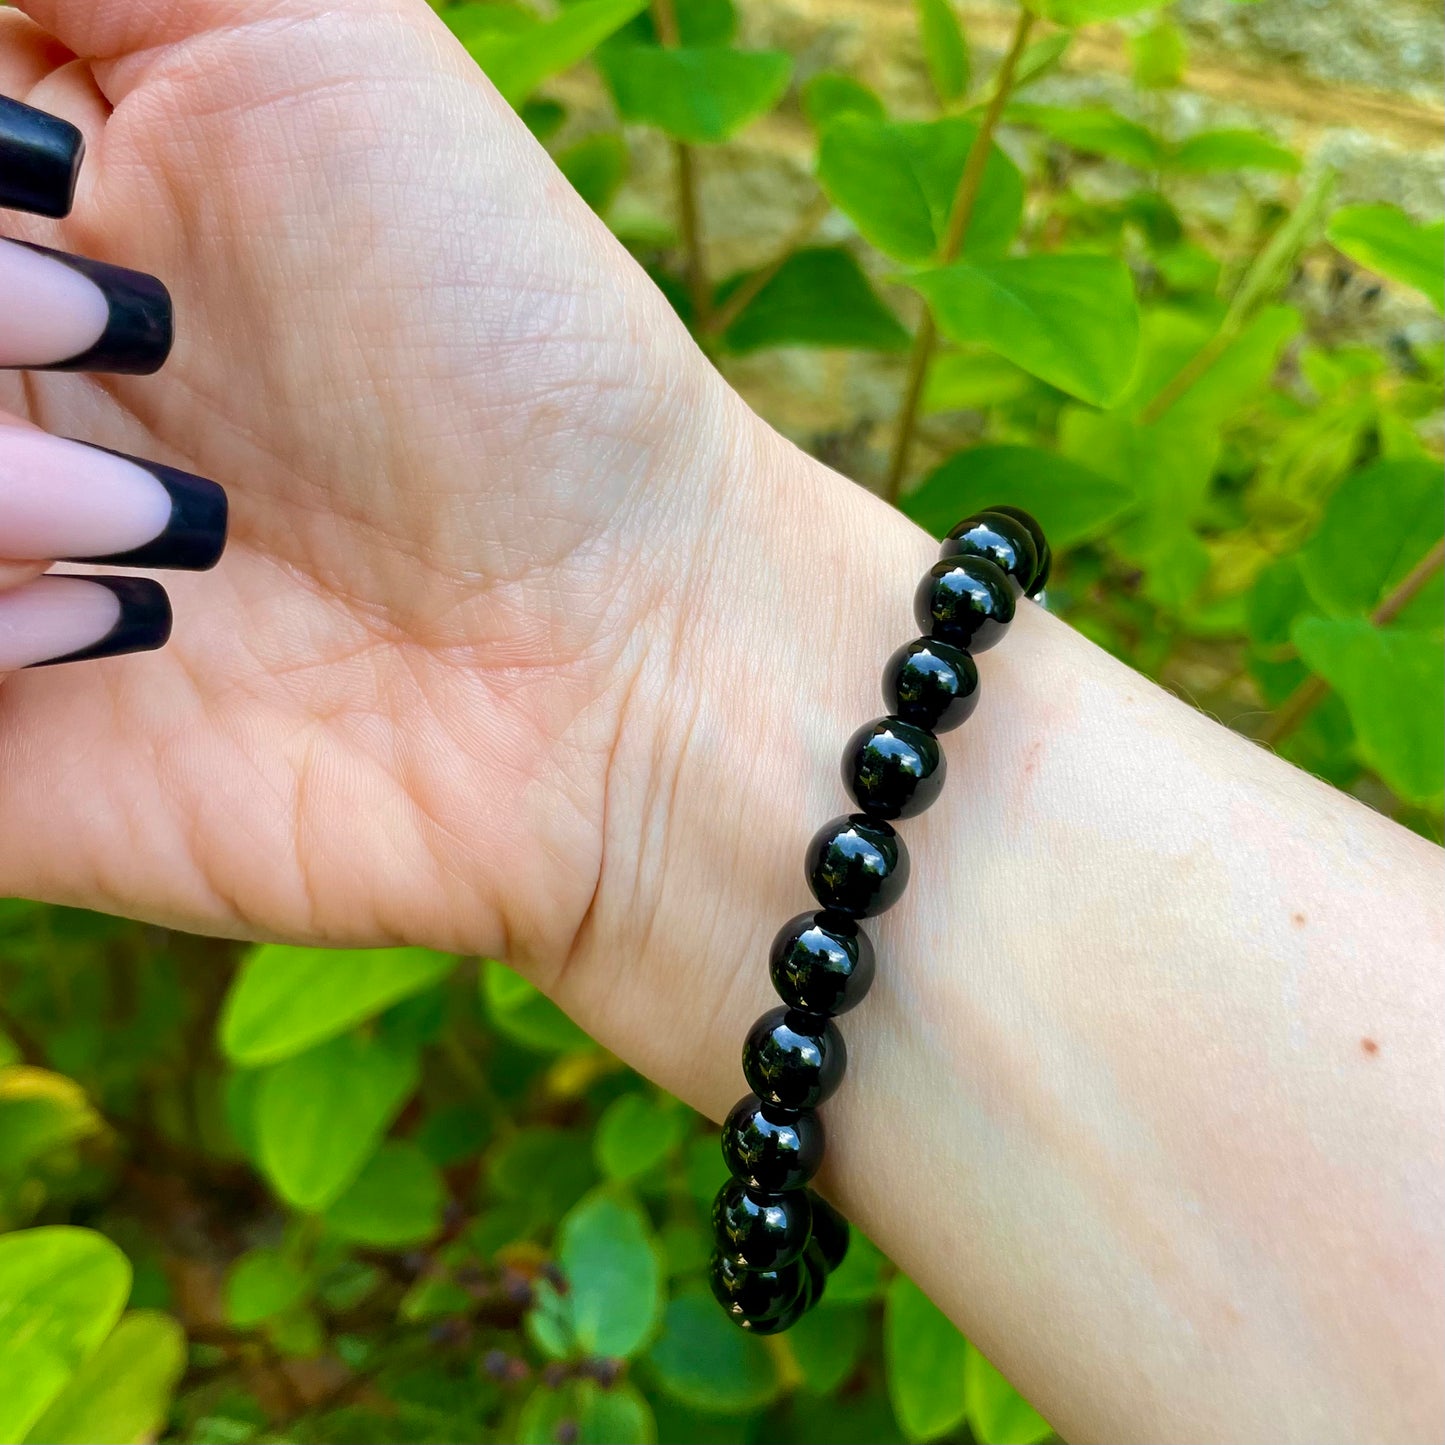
143,624
40,160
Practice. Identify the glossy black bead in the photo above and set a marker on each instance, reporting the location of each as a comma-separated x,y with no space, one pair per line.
1041,546
754,1294
966,601
893,769
815,1275
830,1233
772,1150
1002,539
775,1324
794,1060
761,1231
931,684
857,866
821,963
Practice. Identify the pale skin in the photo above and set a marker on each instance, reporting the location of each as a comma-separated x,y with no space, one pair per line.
533,641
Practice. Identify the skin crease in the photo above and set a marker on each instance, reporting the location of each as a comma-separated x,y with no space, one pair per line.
533,641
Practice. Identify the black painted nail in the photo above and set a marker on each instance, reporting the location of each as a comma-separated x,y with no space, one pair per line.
139,327
40,158
195,536
144,623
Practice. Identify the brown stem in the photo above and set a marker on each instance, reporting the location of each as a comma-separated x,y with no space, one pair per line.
1312,691
965,198
748,289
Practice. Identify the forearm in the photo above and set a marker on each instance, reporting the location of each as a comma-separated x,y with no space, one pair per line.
1147,1093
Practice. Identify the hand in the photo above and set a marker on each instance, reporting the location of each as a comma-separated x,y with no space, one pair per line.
469,452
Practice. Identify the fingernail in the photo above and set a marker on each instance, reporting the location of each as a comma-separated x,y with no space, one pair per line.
73,502
77,619
40,158
66,313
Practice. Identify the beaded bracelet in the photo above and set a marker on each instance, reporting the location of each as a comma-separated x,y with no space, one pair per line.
777,1240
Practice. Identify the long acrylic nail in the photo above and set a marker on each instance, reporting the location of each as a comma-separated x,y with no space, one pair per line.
77,619
40,158
69,501
66,313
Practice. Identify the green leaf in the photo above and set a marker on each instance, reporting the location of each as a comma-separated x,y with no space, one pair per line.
997,1413
702,1359
1071,502
123,1391
40,1111
698,94
1279,596
1392,680
1386,240
636,1133
1041,58
1094,131
1232,150
859,1278
547,1168
596,167
1380,522
827,1343
818,297
619,1416
263,1283
286,999
944,49
319,1115
1158,56
518,61
524,1013
1070,320
61,1292
925,1357
1086,12
896,181
397,1199
613,1273
828,95
970,380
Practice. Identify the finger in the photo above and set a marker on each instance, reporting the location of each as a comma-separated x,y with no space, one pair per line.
63,500
41,160
79,619
16,574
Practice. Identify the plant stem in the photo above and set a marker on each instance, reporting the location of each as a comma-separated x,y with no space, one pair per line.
1312,691
960,214
664,17
748,289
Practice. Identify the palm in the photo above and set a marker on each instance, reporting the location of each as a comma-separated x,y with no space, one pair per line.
391,705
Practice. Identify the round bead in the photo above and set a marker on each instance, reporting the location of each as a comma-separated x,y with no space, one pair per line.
772,1150
794,1060
966,601
821,963
1041,546
830,1230
931,685
778,1323
857,866
815,1275
1002,539
755,1294
761,1231
893,769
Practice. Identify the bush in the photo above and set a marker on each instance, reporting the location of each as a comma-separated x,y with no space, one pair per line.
281,1194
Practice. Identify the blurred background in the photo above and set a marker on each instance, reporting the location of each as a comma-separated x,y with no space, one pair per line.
1169,277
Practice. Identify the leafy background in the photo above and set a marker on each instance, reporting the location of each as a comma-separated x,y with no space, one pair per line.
288,1195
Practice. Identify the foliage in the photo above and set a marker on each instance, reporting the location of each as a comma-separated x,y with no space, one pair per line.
396,1196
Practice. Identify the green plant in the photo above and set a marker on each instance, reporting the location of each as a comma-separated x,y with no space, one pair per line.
398,1196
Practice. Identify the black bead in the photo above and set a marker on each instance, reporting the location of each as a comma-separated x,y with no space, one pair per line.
1041,546
857,866
1002,539
821,963
777,1323
794,1060
966,601
761,1231
754,1294
893,769
931,684
772,1150
830,1230
815,1275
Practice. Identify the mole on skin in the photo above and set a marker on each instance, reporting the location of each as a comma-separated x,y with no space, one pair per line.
1369,1046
